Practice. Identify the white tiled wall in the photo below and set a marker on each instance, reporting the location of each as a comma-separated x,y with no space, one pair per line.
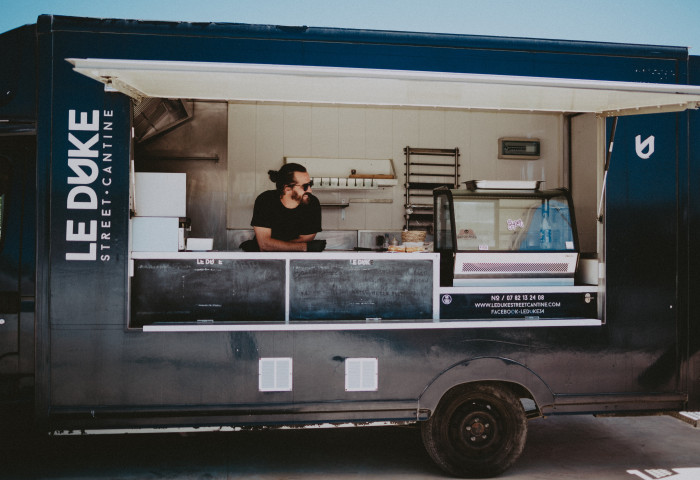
260,136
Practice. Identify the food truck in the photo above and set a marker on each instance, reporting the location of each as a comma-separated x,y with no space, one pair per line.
511,230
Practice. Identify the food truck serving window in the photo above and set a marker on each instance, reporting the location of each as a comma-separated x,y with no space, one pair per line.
507,240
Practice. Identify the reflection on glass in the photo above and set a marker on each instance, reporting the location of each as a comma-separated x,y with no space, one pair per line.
539,222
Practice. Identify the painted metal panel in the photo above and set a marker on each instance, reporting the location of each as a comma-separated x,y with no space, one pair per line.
642,244
18,82
691,328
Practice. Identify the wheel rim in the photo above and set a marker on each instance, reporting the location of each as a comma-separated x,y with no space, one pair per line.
475,429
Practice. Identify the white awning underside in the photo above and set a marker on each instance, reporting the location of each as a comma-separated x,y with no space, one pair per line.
385,88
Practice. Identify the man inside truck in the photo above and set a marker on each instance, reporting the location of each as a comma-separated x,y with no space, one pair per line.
287,219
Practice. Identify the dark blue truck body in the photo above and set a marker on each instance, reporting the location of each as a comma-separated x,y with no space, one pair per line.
67,333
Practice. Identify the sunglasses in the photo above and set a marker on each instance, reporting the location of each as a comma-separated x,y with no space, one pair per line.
304,186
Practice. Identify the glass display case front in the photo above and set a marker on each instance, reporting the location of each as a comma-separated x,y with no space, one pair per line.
506,233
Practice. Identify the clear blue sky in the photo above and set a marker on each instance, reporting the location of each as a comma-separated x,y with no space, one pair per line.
658,22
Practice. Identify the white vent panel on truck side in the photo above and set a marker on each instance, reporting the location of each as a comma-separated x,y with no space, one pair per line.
361,375
275,375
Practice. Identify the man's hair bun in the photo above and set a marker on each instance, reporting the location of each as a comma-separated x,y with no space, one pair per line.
274,175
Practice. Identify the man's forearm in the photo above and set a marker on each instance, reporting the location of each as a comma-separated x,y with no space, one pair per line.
274,245
304,238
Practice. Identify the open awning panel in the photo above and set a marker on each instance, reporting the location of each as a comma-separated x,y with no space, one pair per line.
389,88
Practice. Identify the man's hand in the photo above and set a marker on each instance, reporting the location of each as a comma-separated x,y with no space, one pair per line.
315,246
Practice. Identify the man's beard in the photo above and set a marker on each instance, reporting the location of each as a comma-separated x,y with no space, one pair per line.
302,199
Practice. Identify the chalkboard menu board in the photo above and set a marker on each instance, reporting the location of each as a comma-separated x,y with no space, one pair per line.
207,290
358,289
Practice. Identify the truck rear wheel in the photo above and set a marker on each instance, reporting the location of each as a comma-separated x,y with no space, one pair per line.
476,431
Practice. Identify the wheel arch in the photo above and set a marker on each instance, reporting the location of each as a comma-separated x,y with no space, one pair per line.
494,370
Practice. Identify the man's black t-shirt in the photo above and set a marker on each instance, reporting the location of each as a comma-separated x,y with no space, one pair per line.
286,223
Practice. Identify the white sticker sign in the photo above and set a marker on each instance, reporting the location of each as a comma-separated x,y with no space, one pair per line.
644,149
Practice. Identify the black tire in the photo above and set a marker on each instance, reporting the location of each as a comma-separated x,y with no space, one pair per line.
476,431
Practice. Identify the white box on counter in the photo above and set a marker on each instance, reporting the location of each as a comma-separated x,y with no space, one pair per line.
200,244
155,234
